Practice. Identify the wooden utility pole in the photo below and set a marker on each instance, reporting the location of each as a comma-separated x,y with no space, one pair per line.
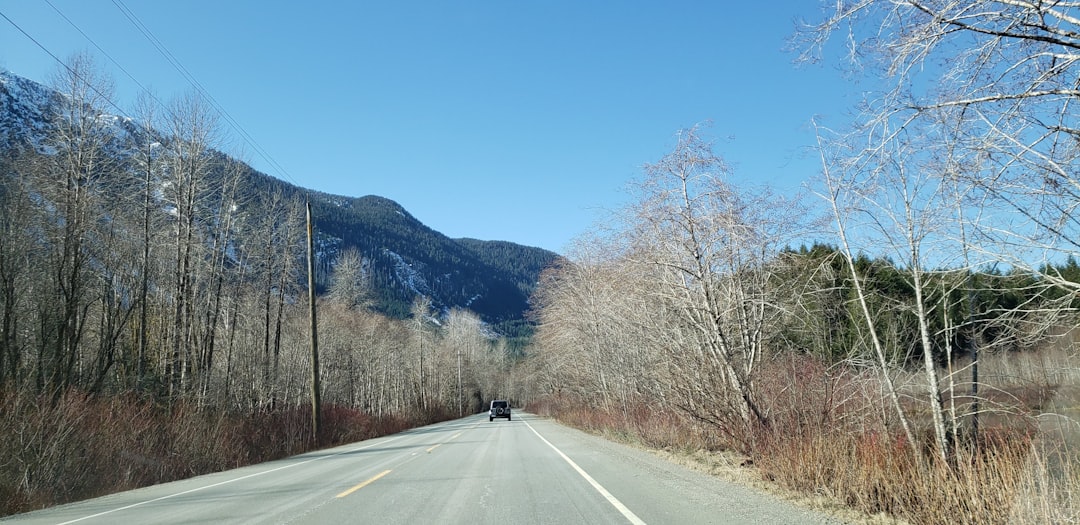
460,400
316,420
974,342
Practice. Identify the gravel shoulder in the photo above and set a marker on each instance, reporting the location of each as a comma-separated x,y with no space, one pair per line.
718,480
708,488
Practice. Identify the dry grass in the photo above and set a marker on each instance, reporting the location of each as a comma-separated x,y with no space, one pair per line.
833,446
878,474
733,467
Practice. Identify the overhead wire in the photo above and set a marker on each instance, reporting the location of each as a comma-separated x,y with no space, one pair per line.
175,62
91,85
108,56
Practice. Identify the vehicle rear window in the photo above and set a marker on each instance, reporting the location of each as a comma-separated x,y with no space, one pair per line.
498,404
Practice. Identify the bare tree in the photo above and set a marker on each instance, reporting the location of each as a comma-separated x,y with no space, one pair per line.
224,202
996,81
148,169
964,155
17,248
577,329
898,209
348,281
709,247
464,338
192,134
598,321
274,254
72,185
422,317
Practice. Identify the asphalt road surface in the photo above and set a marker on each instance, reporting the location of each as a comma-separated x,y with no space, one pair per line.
525,471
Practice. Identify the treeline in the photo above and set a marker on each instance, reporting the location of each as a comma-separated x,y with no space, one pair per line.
612,335
692,323
135,259
973,305
135,265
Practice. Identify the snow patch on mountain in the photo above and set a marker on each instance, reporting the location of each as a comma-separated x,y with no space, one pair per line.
22,110
409,276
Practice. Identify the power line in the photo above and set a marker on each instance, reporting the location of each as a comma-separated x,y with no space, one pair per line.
76,74
233,123
91,85
103,52
172,59
198,87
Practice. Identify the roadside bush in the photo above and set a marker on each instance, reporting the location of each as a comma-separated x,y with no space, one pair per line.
77,446
830,438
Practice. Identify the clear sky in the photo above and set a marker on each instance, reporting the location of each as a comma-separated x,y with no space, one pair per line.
499,120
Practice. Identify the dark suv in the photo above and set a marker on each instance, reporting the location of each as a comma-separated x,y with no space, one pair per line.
499,408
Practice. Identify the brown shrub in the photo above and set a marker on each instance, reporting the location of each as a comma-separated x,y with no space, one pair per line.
830,435
77,446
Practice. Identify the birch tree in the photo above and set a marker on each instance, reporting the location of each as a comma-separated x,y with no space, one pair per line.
418,324
147,168
709,246
192,134
965,153
348,282
17,242
899,208
996,81
71,186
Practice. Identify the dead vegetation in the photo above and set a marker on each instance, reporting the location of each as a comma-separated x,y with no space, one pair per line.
1024,470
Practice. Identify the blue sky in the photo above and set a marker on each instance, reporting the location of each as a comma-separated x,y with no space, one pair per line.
517,121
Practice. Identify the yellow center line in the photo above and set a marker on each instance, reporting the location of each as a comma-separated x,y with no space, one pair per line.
364,484
433,447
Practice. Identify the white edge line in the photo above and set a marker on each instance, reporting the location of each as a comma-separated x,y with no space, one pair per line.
599,488
226,482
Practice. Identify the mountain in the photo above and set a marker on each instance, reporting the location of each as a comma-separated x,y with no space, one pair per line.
492,278
403,257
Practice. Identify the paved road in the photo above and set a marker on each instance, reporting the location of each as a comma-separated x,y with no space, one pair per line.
525,471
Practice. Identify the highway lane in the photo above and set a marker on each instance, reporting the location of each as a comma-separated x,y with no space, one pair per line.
529,471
